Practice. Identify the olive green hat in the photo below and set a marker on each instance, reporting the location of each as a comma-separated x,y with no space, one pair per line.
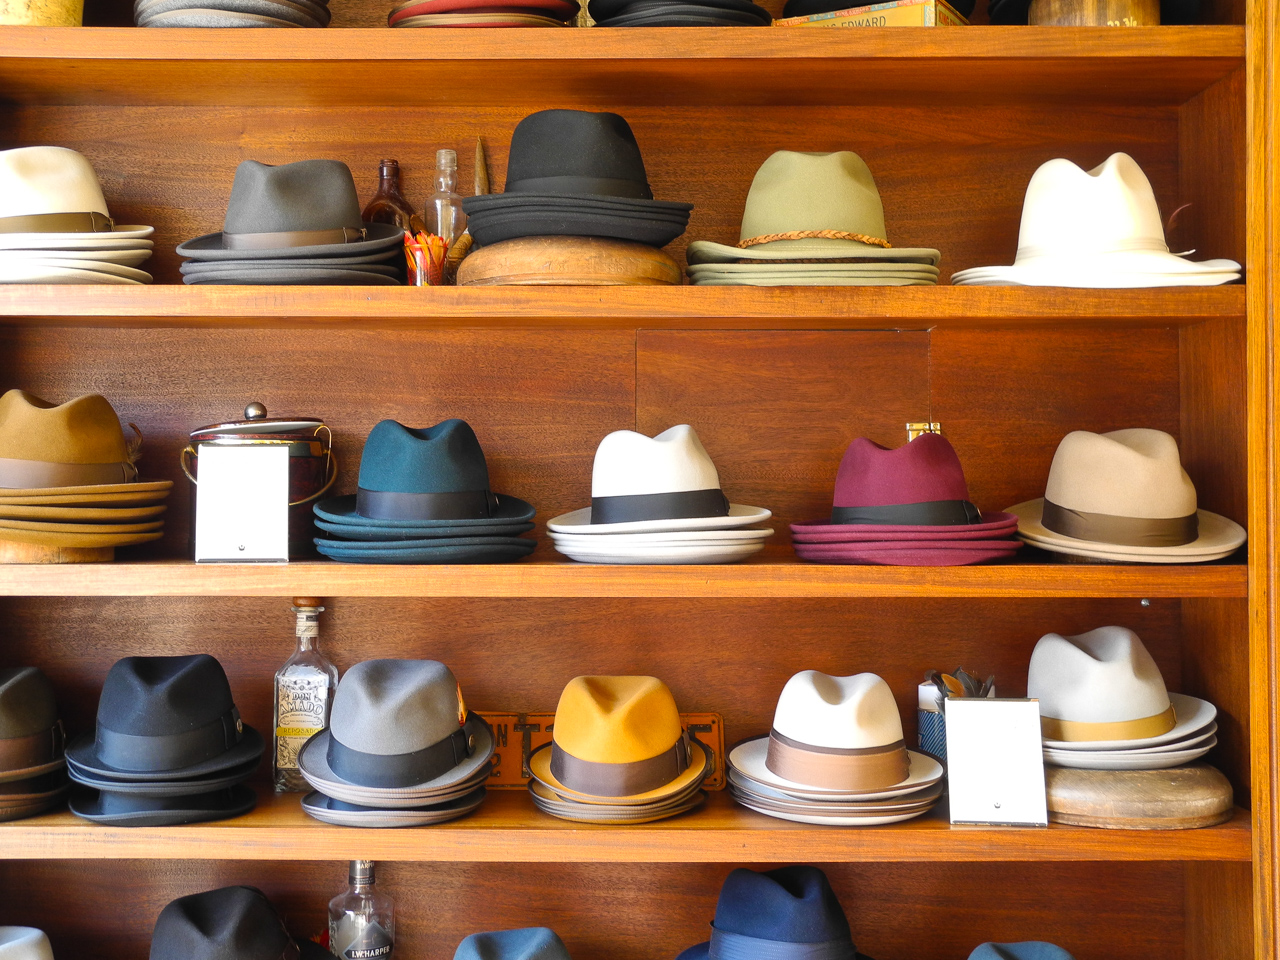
812,206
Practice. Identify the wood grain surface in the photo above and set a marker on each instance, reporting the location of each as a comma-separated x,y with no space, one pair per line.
1182,798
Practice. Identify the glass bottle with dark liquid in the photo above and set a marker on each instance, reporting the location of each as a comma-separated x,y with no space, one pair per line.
388,204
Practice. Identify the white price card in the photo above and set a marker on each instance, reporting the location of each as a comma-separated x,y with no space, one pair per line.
242,504
995,763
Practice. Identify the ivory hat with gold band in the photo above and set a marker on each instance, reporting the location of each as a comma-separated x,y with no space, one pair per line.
54,191
1124,495
838,733
812,206
616,739
1104,687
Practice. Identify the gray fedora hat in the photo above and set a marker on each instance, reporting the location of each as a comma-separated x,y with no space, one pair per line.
398,725
304,209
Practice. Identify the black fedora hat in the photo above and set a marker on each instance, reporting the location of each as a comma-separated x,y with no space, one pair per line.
304,209
31,740
678,14
563,155
130,810
166,718
232,923
605,9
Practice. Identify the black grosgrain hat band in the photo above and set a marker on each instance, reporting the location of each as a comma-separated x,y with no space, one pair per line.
401,769
589,186
172,751
933,513
684,505
462,505
735,946
1125,531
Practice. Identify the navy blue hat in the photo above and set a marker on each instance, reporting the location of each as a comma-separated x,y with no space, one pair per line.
1026,950
786,914
530,943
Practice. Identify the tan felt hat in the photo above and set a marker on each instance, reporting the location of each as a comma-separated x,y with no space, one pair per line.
46,446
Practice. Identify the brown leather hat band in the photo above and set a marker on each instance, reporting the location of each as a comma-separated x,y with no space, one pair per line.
291,238
620,779
19,753
30,474
58,223
1055,729
833,769
1127,531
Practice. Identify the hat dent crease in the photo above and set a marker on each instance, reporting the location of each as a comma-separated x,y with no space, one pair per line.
393,707
42,180
529,943
616,719
853,712
628,463
83,433
1133,473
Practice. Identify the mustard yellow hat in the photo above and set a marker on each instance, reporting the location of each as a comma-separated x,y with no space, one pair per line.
49,446
619,737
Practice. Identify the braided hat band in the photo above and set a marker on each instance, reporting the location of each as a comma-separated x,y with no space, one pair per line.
814,235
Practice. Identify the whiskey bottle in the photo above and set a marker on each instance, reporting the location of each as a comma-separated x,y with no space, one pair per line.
389,204
362,923
303,695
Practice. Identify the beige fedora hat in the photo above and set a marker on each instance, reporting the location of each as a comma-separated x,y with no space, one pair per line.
811,206
53,190
54,446
1104,687
1124,495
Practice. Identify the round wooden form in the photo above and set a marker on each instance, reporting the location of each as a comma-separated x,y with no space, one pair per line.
569,261
1180,798
11,552
1094,13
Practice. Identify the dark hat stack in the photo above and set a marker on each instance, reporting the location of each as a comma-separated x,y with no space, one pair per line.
33,774
169,747
232,923
231,13
424,497
401,750
298,223
483,13
679,13
573,173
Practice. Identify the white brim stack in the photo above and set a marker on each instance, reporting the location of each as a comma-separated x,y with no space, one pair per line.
109,257
231,13
757,788
1194,735
724,539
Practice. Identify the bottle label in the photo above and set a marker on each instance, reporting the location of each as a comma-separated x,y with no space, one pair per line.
369,940
301,704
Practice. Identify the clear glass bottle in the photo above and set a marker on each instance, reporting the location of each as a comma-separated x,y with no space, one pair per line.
389,204
362,923
443,214
303,695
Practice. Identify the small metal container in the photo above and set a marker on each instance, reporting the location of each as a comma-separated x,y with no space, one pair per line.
312,466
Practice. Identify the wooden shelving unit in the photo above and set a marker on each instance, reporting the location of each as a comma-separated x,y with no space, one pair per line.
508,828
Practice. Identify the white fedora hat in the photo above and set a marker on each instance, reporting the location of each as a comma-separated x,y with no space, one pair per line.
1103,687
1099,228
24,943
48,191
642,484
1124,496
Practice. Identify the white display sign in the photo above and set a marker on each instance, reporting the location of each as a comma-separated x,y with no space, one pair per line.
995,762
242,504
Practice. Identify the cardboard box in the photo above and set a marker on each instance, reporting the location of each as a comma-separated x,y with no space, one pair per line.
894,13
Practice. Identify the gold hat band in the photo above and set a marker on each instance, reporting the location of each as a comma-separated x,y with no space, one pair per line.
868,768
1140,729
814,235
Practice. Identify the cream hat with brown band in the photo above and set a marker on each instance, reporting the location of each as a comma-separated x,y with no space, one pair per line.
1124,495
75,444
840,733
619,737
812,206
47,190
1100,685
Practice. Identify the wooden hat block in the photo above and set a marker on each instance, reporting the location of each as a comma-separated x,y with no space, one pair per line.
1094,13
569,261
11,552
1179,798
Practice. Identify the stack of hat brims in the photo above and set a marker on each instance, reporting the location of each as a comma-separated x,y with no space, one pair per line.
33,775
56,228
169,747
618,754
908,506
424,498
678,13
483,13
298,223
67,477
812,219
401,749
658,500
840,740
1104,705
231,13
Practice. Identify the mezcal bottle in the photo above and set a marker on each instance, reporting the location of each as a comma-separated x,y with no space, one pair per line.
303,695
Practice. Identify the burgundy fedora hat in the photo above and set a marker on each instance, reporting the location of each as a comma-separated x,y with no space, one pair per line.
920,483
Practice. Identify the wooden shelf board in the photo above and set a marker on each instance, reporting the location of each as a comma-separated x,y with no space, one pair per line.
875,308
101,65
508,828
773,577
